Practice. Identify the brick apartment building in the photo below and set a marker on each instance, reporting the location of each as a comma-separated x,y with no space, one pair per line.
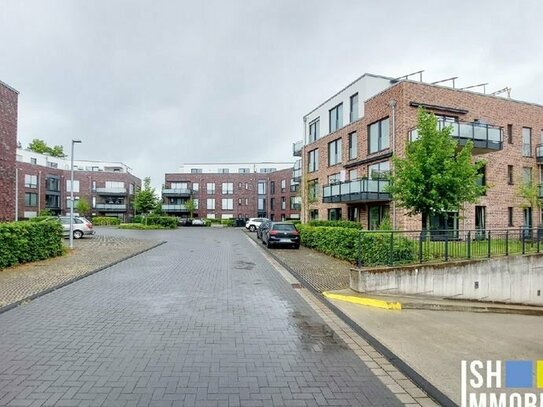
350,138
8,146
233,190
44,184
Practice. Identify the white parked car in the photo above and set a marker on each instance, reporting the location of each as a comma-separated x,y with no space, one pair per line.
253,223
81,226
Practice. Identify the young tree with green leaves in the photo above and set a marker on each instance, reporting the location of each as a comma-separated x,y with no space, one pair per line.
40,146
435,177
82,206
145,200
530,191
190,206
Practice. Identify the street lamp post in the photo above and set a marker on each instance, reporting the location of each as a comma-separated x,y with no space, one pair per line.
72,195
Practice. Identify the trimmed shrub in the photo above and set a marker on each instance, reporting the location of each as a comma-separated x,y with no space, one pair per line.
335,223
137,219
23,242
343,243
105,221
164,221
228,222
139,226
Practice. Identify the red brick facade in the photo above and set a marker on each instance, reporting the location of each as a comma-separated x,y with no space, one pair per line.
466,107
8,148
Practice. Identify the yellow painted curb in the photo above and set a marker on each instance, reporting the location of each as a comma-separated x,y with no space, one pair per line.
370,302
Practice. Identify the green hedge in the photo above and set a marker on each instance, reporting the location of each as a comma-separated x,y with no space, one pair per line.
164,221
23,242
39,218
343,243
139,226
335,223
228,222
105,221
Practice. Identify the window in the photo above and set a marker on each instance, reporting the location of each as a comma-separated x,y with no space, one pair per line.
510,133
272,204
210,203
131,189
210,188
261,187
33,161
224,170
510,216
261,204
314,214
336,117
353,112
55,165
526,175
378,136
313,190
227,188
379,170
353,174
272,187
313,161
283,203
314,130
353,146
481,181
179,185
266,170
376,215
244,170
334,152
239,201
94,186
295,203
195,186
195,200
69,185
31,181
526,142
283,185
247,185
510,174
227,204
480,218
246,201
117,184
334,178
31,199
334,214
52,184
195,170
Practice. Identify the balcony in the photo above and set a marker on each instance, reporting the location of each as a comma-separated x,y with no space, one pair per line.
297,171
177,192
111,191
297,148
539,153
486,138
110,207
361,190
174,208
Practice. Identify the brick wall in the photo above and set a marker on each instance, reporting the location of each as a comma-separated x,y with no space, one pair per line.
8,148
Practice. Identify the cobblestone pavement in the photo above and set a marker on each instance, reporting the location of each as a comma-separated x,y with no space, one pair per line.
203,320
323,272
89,254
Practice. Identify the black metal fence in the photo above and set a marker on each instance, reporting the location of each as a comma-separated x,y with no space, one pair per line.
405,247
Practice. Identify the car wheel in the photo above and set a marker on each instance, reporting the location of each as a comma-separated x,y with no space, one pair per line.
252,228
268,244
78,234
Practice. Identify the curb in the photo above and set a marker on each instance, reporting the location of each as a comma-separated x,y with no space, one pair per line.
370,302
73,280
433,392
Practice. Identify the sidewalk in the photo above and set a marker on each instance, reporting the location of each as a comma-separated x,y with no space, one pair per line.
431,342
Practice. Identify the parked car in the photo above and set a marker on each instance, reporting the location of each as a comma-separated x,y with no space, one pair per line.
254,223
281,233
81,226
262,228
198,222
184,222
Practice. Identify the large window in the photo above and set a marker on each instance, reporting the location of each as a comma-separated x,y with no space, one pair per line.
210,204
314,130
334,214
313,161
227,188
526,175
353,146
295,203
244,170
379,170
224,170
334,152
195,170
31,199
526,142
334,178
376,214
283,203
227,204
336,117
69,185
31,181
210,188
313,190
378,136
261,188
52,184
195,186
179,185
283,185
261,204
272,187
353,112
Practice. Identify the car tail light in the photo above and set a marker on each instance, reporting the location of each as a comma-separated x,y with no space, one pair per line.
89,225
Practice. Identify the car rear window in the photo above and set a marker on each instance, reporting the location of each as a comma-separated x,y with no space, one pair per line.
284,227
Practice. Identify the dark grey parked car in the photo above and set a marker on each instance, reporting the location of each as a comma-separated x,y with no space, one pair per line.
281,234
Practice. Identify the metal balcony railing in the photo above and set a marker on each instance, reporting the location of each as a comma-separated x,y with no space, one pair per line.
111,191
174,208
297,148
361,190
110,207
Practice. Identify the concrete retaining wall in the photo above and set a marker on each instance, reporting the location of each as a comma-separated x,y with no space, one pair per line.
515,279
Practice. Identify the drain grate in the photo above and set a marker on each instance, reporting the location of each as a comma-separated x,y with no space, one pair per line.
297,286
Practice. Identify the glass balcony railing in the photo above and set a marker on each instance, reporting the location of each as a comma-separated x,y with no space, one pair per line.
297,148
111,191
539,153
176,191
484,136
110,207
174,208
361,190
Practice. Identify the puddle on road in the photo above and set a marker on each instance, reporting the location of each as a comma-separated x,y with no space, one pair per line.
315,336
244,265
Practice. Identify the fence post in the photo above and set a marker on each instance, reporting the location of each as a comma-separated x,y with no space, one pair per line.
469,244
391,250
523,241
421,236
446,245
489,243
359,250
537,237
507,243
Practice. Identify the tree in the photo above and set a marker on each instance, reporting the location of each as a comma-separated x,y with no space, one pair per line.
40,146
190,206
435,177
530,192
145,200
82,206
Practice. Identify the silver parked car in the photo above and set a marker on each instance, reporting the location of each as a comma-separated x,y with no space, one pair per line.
81,226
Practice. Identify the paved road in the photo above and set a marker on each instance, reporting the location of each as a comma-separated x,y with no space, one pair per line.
203,320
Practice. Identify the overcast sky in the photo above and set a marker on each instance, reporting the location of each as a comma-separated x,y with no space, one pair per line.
157,83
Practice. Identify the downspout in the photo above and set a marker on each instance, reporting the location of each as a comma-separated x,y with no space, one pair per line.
392,104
